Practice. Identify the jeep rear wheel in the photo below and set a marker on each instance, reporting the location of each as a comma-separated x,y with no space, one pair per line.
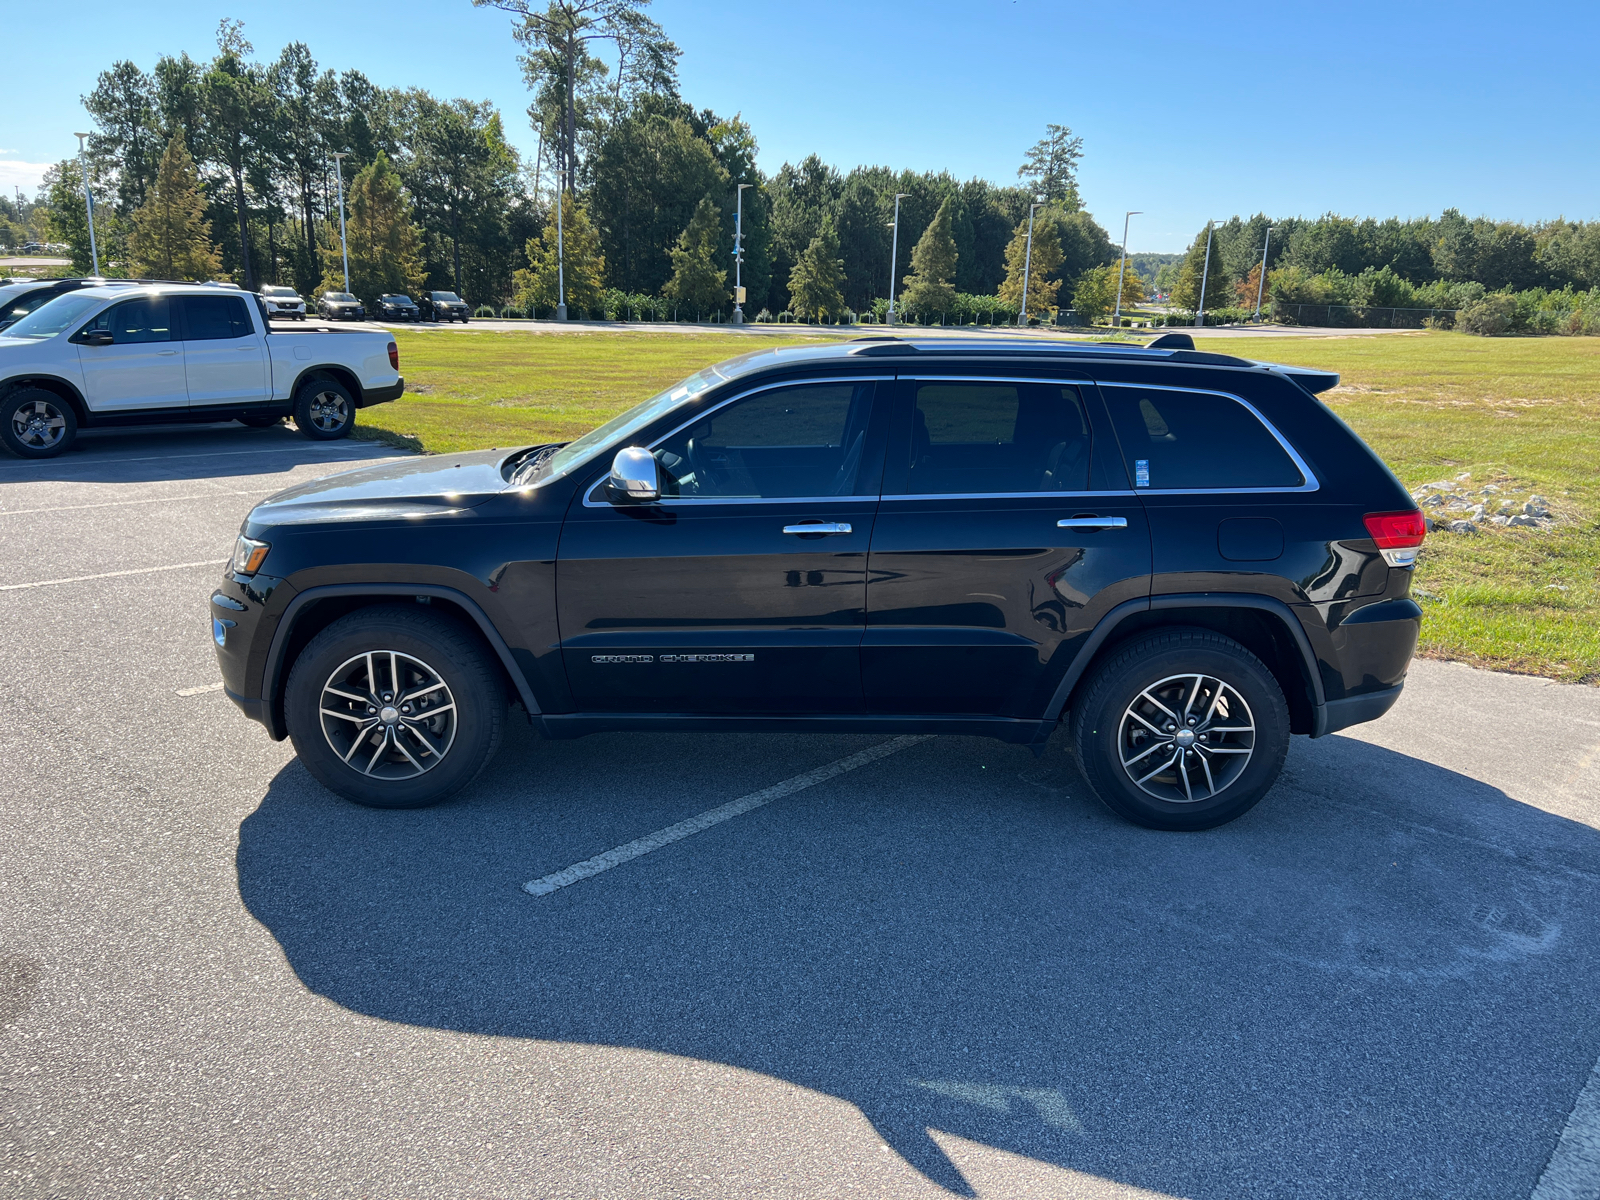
1181,730
393,708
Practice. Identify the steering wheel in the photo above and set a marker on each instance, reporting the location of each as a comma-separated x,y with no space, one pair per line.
704,484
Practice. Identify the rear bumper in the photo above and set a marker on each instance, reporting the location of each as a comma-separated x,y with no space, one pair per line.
382,395
1335,715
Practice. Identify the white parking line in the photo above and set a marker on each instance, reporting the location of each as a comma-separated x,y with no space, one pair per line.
24,512
17,587
651,842
1573,1172
195,691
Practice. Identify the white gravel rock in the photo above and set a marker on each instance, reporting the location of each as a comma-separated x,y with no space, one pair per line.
1464,527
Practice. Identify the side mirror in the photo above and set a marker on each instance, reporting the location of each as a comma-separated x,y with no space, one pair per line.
635,477
98,337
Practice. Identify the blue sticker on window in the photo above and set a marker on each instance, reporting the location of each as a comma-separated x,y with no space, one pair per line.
1141,472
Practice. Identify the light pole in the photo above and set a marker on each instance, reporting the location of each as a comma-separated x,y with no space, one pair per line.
1027,260
894,253
1116,317
1261,282
88,202
1205,271
338,169
738,255
561,260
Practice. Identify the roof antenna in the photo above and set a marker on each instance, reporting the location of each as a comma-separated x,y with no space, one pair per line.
1171,341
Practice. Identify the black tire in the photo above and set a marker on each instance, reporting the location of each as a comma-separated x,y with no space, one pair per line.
324,410
260,421
1206,736
425,647
35,423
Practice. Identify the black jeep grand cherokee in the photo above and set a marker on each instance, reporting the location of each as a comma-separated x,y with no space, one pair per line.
1185,555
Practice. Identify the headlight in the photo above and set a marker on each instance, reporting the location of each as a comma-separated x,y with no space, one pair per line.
248,555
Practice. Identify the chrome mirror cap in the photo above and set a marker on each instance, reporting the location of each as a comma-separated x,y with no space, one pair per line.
635,478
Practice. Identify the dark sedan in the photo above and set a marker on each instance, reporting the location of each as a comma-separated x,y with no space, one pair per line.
340,306
397,308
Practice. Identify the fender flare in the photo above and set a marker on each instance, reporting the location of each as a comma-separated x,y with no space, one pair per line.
36,378
1108,625
343,375
273,672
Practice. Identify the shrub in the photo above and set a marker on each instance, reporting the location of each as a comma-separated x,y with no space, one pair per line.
764,317
483,310
1489,317
512,313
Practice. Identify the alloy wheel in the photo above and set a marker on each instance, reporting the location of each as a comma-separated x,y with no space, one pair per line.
39,425
1186,738
329,411
388,715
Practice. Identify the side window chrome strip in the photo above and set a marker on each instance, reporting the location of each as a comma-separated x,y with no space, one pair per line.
1006,495
1311,483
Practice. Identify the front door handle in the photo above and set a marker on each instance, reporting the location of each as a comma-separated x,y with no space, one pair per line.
166,353
1092,523
819,527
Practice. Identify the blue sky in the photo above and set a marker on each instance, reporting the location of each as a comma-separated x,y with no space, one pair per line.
1186,111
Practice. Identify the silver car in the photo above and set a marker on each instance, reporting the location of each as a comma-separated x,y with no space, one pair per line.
284,303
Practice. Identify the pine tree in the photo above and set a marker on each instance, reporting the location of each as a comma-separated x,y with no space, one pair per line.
1219,288
171,236
933,266
696,281
585,264
385,247
816,285
1043,262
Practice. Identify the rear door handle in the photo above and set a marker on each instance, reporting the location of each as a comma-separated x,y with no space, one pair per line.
819,527
1092,523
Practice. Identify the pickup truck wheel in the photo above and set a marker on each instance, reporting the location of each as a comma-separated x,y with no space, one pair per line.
35,423
324,410
1181,730
394,708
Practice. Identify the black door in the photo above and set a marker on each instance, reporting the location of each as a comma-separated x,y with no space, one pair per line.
744,589
1007,530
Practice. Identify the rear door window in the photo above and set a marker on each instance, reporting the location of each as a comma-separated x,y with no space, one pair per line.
1008,437
1194,441
215,318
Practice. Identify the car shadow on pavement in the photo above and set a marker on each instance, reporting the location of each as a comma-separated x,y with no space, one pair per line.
184,452
1379,982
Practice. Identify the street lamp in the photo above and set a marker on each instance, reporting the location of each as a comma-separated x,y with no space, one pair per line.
561,260
338,170
1027,260
738,255
1205,271
894,253
1116,317
1261,282
88,202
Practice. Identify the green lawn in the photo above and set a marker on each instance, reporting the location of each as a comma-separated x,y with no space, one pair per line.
1434,405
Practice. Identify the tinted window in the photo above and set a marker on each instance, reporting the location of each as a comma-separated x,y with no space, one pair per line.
790,442
53,317
147,319
974,438
26,302
213,318
1187,440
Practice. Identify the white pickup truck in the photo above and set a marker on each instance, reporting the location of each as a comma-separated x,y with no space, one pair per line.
173,352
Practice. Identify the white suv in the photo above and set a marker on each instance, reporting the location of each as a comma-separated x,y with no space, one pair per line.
284,303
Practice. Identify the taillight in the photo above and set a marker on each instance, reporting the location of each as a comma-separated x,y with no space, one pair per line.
1398,535
394,356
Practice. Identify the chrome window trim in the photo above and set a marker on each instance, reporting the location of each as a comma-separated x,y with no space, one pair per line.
1310,484
706,501
1006,495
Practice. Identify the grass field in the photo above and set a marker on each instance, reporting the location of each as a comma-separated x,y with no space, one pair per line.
1434,405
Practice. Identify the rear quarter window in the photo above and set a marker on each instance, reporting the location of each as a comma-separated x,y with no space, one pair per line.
1191,441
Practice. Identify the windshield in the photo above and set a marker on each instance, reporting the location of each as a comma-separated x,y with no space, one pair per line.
58,315
450,296
341,296
397,299
279,291
543,468
14,289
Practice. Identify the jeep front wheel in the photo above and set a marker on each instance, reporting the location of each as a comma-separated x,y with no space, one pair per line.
1181,730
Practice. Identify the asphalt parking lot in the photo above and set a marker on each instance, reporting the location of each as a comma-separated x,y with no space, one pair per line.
945,971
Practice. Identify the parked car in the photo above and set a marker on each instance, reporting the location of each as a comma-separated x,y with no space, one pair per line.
19,299
444,306
284,303
1184,556
394,307
115,355
340,306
